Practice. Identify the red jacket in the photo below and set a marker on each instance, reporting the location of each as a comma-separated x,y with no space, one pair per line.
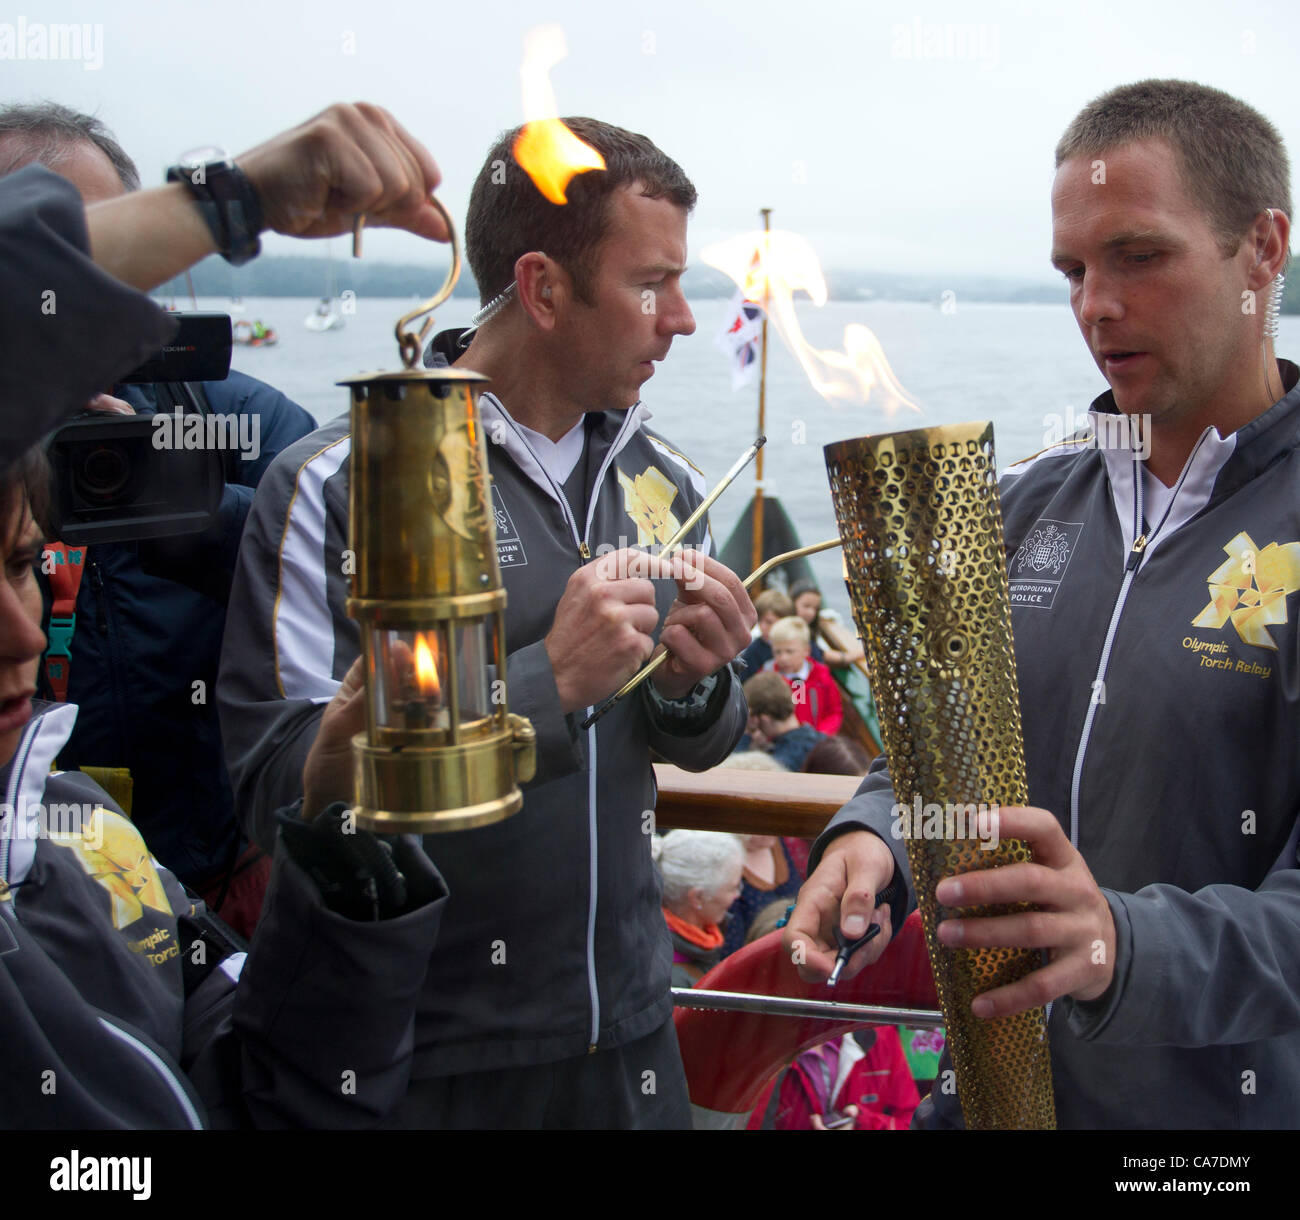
816,698
877,1082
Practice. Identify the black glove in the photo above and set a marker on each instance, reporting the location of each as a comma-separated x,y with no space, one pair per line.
360,875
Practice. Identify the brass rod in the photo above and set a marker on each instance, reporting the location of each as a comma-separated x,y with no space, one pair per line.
777,560
650,666
705,504
411,343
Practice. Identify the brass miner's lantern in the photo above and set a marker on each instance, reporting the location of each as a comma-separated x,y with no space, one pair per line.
440,751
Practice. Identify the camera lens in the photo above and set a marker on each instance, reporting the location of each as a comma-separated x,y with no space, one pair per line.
103,472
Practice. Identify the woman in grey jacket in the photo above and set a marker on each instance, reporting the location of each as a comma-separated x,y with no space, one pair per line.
118,1000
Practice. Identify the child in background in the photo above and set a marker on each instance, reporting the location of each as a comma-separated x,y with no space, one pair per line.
816,696
772,606
807,600
773,726
862,1076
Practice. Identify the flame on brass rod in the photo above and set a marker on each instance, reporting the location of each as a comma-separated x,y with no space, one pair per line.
769,268
548,152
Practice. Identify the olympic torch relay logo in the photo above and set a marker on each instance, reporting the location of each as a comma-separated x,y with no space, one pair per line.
647,499
118,859
1251,589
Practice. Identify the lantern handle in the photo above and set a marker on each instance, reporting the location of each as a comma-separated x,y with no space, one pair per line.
410,343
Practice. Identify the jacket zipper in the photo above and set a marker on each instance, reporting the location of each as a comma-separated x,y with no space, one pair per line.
1142,538
584,552
159,1066
19,765
97,583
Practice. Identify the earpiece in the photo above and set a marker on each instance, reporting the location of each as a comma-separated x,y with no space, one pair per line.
546,292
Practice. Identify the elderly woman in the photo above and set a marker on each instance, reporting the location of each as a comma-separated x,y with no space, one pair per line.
701,874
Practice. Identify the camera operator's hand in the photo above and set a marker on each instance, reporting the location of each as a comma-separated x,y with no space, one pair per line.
106,404
327,775
311,182
348,159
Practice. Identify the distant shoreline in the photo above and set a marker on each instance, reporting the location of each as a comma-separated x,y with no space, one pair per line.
306,278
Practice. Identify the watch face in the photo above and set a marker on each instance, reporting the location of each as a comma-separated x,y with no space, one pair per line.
206,155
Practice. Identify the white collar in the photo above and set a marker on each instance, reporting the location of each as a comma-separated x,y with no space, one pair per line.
558,458
1171,507
805,670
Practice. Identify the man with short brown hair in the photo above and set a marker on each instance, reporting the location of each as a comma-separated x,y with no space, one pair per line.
1159,682
509,216
546,1002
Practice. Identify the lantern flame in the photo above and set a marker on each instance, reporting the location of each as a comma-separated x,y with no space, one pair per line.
769,268
548,151
426,668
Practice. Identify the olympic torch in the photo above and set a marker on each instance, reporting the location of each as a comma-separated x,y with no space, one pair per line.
921,525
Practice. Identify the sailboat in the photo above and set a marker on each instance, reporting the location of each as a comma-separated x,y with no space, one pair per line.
325,316
236,307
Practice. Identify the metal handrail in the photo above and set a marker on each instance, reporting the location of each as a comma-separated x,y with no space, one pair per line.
819,1010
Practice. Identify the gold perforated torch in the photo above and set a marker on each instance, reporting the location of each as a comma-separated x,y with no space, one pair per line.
921,525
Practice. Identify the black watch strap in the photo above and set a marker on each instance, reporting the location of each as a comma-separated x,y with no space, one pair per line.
229,204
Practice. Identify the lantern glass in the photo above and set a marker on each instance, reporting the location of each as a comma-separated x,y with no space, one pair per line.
411,680
476,655
408,679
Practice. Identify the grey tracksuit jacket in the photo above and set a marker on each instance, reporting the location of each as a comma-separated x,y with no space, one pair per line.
118,998
552,941
1160,708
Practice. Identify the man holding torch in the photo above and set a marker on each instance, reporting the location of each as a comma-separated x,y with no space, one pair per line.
546,1001
1165,877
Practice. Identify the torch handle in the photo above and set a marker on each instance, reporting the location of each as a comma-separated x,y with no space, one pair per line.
411,343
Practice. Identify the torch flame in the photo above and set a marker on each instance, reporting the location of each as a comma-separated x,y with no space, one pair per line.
769,268
426,668
547,151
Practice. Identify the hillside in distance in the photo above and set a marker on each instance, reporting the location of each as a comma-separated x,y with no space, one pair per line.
288,276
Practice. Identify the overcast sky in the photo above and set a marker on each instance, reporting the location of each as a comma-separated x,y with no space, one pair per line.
893,136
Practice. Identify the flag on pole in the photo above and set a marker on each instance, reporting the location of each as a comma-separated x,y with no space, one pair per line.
740,338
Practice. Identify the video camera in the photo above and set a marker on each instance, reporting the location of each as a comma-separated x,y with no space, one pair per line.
118,478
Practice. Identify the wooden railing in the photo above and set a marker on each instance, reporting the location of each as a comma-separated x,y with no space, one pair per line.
749,802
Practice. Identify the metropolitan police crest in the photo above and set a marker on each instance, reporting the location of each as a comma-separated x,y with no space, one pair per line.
1046,548
1041,561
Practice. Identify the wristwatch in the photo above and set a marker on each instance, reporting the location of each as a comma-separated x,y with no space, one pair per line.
686,715
227,199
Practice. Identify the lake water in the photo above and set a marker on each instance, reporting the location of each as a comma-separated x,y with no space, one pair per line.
1012,364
